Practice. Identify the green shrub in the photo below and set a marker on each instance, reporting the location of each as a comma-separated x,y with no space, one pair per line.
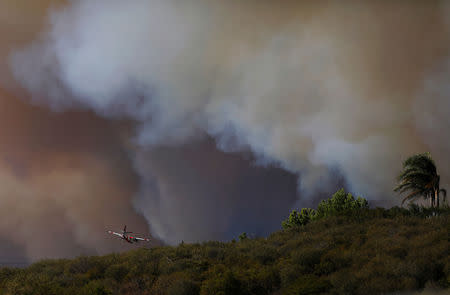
308,285
334,260
265,254
307,258
299,218
222,284
243,237
340,204
183,287
117,272
93,288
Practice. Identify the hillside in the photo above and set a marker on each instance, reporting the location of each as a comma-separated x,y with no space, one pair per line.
375,251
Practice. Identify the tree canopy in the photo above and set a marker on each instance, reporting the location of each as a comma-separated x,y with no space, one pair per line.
341,203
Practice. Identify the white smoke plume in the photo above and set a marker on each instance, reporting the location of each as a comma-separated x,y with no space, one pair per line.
354,87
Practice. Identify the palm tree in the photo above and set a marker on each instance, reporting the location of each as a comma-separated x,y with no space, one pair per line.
419,177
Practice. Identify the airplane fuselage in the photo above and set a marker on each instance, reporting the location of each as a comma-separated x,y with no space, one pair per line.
129,239
124,236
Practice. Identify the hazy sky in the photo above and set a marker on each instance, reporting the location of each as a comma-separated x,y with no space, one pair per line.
195,120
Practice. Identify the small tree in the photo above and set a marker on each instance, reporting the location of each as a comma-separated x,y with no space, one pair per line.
243,237
341,204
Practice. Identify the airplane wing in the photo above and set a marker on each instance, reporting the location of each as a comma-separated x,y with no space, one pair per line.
142,239
114,233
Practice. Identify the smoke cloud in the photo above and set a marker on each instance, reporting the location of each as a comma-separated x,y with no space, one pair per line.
64,179
330,92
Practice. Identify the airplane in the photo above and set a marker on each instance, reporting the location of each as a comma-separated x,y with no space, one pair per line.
124,236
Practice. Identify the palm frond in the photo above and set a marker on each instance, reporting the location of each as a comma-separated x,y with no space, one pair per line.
422,161
415,172
411,196
404,187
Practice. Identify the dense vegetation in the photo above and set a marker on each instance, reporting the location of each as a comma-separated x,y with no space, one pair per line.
342,248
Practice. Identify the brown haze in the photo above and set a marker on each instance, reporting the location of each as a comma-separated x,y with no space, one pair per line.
127,101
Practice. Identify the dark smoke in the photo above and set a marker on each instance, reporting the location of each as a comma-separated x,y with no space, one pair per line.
195,192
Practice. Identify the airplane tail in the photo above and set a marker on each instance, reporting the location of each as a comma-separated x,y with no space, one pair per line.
125,230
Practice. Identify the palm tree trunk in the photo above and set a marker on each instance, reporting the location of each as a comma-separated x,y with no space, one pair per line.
436,195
